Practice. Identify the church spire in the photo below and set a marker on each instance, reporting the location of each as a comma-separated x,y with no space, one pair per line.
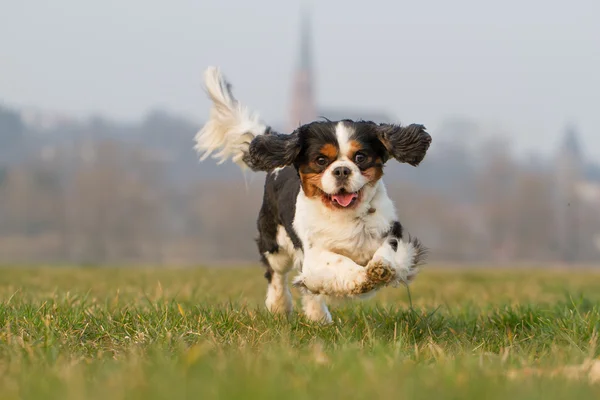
303,109
305,42
571,144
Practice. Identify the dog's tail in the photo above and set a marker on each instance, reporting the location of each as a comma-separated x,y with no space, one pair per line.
230,128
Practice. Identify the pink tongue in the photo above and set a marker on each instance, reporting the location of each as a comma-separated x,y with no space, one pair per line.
344,199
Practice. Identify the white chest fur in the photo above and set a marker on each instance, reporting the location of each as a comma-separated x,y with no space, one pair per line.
355,233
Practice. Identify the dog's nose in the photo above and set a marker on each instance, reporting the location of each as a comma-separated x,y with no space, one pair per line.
341,172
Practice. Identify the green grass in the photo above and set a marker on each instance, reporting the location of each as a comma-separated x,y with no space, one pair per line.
68,333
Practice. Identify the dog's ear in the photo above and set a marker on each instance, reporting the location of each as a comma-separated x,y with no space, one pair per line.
272,150
407,144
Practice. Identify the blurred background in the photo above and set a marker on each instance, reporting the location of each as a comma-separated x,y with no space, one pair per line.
99,103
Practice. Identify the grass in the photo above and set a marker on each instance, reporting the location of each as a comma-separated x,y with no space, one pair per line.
68,333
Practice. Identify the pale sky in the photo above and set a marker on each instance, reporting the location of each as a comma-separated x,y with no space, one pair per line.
525,67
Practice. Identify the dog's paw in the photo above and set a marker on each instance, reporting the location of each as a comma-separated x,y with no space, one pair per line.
379,271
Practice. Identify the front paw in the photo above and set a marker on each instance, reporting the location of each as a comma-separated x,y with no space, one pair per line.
379,272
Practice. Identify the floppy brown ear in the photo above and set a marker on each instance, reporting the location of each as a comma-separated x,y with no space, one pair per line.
407,144
272,150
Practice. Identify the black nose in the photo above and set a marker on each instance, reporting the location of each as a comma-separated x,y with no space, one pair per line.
341,172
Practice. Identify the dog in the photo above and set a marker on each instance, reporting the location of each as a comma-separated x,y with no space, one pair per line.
325,210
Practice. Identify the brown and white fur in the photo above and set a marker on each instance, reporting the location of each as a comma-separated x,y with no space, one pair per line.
325,209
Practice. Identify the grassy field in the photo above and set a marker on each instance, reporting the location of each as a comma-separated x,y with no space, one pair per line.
69,333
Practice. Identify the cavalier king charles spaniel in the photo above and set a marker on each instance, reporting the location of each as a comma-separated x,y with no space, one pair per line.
325,210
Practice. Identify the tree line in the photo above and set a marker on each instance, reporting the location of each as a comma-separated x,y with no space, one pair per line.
101,193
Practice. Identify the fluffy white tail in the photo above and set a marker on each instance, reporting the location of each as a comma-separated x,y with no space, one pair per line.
230,128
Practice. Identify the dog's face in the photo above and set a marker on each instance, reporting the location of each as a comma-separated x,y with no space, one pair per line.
336,161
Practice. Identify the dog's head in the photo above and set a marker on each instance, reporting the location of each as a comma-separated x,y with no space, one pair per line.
337,160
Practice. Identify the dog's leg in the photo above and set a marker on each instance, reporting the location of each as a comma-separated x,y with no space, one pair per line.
327,273
279,297
404,257
315,308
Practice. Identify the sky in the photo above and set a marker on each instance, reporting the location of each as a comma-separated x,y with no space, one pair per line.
521,68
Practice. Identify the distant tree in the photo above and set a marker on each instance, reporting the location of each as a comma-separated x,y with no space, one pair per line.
534,219
11,130
495,191
114,208
3,172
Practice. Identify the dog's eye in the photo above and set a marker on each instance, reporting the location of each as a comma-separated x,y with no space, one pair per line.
359,158
321,160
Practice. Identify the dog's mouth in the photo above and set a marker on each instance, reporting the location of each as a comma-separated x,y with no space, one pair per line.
342,199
